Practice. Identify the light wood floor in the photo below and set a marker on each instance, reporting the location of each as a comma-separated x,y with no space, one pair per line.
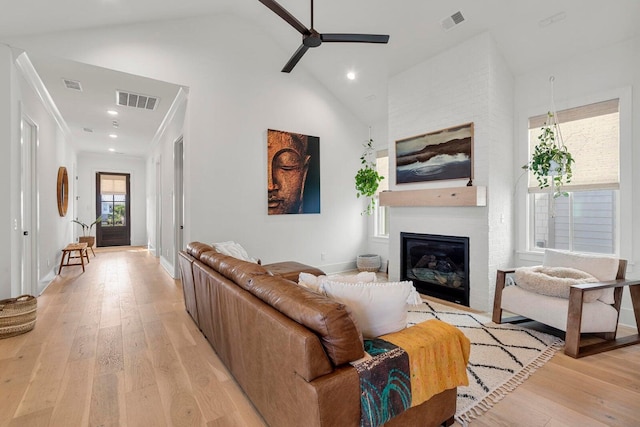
114,347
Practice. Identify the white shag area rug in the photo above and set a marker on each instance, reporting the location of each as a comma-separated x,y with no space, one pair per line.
502,356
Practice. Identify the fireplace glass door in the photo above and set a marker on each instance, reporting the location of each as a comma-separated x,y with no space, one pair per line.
437,265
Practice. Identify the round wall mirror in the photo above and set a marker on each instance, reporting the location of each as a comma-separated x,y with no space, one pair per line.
63,191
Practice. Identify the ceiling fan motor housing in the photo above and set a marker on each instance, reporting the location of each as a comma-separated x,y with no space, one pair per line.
312,40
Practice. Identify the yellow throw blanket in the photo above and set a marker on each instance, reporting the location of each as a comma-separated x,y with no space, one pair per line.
438,357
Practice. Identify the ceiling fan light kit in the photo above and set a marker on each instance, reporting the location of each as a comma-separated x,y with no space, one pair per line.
312,38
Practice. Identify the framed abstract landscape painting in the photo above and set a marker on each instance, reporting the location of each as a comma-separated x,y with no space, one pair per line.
441,155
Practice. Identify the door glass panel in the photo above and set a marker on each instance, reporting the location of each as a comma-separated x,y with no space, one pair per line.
113,198
119,211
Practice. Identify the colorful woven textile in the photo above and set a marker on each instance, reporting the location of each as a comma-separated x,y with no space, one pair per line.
407,368
385,384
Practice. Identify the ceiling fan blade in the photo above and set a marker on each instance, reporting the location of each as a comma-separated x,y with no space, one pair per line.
295,58
282,13
355,38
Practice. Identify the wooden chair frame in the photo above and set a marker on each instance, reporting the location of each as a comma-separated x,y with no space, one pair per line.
574,316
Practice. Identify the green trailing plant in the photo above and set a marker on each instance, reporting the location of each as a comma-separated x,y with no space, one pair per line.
86,228
368,179
551,161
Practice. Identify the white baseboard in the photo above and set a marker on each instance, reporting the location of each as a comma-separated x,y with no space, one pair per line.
340,267
168,266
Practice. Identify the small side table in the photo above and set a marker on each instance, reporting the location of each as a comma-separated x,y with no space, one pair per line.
68,252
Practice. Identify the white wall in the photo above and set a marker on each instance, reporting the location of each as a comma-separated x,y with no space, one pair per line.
595,76
54,232
88,165
233,100
469,83
19,97
164,155
8,131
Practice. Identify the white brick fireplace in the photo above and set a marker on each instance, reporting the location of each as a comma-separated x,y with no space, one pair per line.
469,83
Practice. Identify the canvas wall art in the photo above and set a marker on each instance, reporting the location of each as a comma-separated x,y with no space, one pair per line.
445,154
293,165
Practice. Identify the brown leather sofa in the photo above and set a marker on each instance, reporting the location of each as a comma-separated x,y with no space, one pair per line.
288,348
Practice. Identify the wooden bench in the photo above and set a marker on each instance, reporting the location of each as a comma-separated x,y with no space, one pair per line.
68,252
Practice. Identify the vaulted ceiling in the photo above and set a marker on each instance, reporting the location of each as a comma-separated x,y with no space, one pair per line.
525,32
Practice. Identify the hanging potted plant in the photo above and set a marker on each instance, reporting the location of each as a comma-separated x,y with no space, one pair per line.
551,161
368,178
86,232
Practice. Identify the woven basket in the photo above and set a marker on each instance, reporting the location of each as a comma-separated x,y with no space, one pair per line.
17,315
368,262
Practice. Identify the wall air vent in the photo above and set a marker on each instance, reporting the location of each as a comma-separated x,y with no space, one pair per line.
451,21
136,100
72,84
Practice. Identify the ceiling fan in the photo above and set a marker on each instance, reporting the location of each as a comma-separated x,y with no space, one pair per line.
311,38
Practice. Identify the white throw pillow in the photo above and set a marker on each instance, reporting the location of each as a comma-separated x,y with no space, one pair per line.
378,307
603,268
312,282
235,250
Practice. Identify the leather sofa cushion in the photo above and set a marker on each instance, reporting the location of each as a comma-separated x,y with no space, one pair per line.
291,270
195,249
232,268
331,320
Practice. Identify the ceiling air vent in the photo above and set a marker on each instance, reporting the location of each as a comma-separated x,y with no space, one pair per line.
451,21
72,84
136,100
89,130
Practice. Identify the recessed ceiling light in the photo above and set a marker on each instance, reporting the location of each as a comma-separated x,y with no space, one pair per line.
351,75
113,135
112,149
112,112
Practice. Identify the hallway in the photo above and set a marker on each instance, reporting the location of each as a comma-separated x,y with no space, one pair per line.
114,346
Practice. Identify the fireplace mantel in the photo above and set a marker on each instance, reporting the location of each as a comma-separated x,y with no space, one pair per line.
453,196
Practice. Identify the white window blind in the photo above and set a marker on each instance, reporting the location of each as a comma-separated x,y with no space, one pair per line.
591,134
113,184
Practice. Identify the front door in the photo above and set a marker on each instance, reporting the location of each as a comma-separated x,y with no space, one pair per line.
112,204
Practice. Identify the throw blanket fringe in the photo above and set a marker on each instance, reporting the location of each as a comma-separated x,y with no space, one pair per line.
500,392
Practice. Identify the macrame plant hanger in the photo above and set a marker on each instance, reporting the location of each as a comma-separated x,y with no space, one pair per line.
558,169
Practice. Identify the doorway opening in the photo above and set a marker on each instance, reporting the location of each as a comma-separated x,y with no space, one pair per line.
113,206
29,207
178,166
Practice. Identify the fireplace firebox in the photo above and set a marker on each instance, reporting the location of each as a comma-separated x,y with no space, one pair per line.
437,265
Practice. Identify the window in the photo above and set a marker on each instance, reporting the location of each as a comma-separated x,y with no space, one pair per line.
381,214
586,220
113,197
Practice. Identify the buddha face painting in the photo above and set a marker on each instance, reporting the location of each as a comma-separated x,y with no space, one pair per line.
288,164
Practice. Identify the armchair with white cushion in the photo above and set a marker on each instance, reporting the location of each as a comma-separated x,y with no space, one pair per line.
591,306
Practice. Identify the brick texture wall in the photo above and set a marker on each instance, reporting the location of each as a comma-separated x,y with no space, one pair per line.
469,83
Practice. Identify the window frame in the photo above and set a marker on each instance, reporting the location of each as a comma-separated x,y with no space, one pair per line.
572,243
526,251
381,211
